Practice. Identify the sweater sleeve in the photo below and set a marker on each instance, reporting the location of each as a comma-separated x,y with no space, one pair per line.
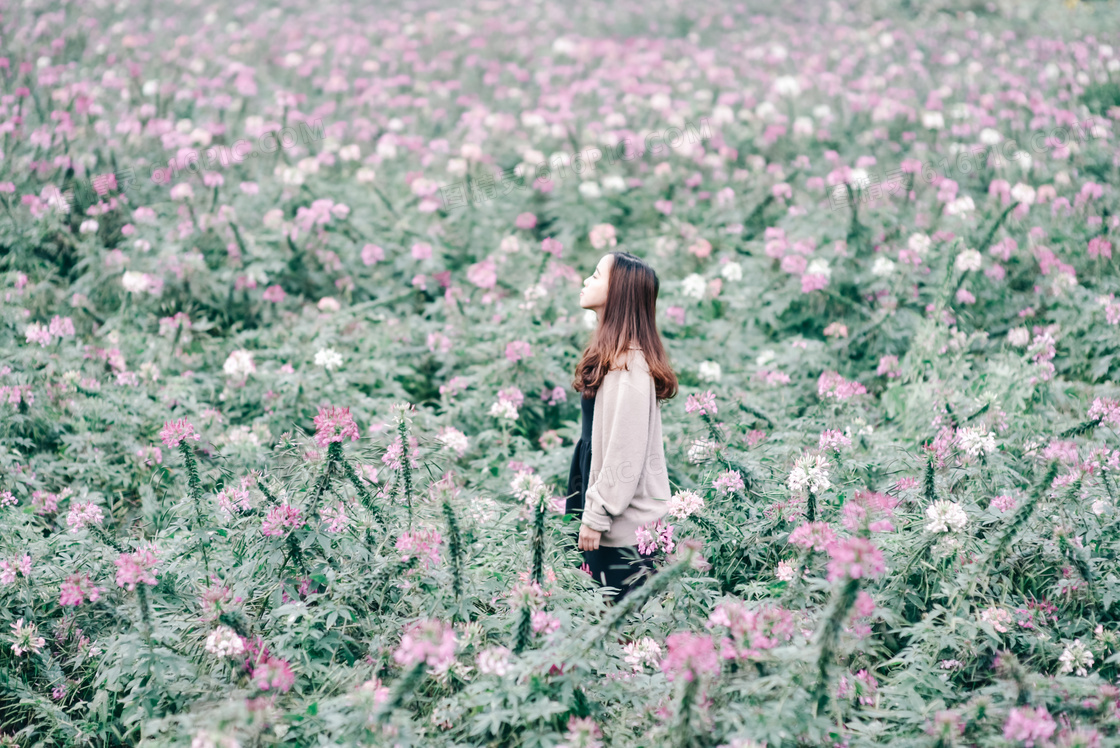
625,439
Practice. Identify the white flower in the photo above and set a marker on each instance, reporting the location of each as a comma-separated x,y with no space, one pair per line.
787,85
701,450
786,571
809,472
732,272
88,226
1077,658
1026,161
134,282
969,259
590,190
365,175
1019,336
883,267
933,120
684,504
643,652
329,304
504,409
239,365
614,183
289,175
819,266
351,152
960,206
493,661
224,642
988,136
709,371
1099,506
528,487
945,516
694,286
975,441
453,438
1023,193
328,358
919,243
765,357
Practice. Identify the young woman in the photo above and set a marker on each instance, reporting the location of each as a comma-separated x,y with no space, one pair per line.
618,480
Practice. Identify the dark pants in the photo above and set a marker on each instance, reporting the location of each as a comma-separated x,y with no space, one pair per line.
614,567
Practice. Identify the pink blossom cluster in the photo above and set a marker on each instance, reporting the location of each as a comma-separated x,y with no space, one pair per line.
654,537
815,535
1028,726
44,335
1106,409
690,656
280,520
334,424
174,432
232,500
318,214
424,544
45,502
483,274
543,622
869,509
728,482
771,378
8,569
136,567
552,247
429,641
752,631
582,733
704,404
14,394
394,454
77,589
84,513
854,558
832,385
518,350
335,518
862,686
1100,247
273,674
831,439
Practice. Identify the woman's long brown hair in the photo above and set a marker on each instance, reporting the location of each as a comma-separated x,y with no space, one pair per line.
629,318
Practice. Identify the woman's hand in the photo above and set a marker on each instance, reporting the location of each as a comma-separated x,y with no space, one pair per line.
588,538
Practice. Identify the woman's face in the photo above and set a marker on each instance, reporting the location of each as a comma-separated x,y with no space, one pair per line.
594,293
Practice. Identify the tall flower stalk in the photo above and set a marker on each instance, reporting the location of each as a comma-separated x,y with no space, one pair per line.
176,434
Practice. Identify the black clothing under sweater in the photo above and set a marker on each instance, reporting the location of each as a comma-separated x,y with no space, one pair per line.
610,566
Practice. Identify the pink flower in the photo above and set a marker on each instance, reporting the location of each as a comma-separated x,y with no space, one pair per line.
334,424
832,385
272,673
813,282
424,544
75,590
816,535
854,558
273,294
729,482
752,630
1004,503
675,313
280,517
421,251
663,206
888,367
518,350
704,404
372,253
483,274
582,733
655,536
525,221
1100,247
175,432
1029,726
701,248
602,236
690,656
430,641
136,568
552,247
83,513
543,623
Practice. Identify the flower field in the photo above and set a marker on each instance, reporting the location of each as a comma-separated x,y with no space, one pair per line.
289,317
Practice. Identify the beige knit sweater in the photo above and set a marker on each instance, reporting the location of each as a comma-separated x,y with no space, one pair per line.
629,484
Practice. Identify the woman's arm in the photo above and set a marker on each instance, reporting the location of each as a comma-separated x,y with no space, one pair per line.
625,424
